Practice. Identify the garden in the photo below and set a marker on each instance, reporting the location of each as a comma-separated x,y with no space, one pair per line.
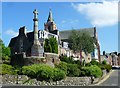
66,68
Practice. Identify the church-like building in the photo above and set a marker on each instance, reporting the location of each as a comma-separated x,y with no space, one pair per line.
32,43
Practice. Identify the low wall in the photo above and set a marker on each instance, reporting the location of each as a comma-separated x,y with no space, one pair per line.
68,81
24,80
52,58
21,59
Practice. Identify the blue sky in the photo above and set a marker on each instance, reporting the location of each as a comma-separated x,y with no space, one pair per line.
67,15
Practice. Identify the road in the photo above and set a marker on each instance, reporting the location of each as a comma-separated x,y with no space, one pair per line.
112,80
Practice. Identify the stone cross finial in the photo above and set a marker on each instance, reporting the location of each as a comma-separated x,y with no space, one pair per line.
35,13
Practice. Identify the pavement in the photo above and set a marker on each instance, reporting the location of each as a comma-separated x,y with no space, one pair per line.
111,79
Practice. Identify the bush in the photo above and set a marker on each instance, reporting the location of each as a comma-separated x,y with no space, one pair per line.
62,66
58,74
93,70
43,72
94,62
108,67
102,67
72,70
104,62
8,69
67,59
88,64
29,71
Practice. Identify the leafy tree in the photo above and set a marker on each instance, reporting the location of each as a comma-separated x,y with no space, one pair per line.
5,51
51,45
47,46
81,41
54,45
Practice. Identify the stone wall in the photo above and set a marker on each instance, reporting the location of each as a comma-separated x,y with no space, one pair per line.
24,80
68,81
21,59
51,58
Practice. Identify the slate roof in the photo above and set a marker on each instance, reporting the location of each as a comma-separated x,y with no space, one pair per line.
66,33
30,36
12,41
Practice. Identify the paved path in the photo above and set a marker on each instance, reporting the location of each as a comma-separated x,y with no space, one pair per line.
112,80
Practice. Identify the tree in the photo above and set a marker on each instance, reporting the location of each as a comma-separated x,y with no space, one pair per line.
81,41
51,45
54,45
47,46
5,51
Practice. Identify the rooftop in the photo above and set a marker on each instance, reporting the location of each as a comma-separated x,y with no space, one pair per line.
66,33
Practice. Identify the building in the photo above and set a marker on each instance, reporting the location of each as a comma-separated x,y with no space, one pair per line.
111,58
64,35
32,43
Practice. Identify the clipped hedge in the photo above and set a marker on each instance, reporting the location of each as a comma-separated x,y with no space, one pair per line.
67,59
93,70
62,66
94,62
108,67
104,62
43,72
72,70
58,74
8,69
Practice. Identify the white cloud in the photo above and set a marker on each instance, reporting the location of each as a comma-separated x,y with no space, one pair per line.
73,21
99,14
70,21
11,32
63,21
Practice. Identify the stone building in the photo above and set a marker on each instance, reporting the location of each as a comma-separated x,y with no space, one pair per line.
64,35
118,59
31,44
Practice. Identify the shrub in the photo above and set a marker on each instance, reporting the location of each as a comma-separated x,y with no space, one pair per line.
58,74
94,62
72,70
62,66
88,64
104,62
43,72
82,73
93,70
8,69
108,67
67,59
102,67
29,70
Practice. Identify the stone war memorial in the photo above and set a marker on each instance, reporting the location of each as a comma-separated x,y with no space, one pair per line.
28,48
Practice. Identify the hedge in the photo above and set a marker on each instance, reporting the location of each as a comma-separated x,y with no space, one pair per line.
72,70
8,69
93,70
108,67
43,72
104,62
62,66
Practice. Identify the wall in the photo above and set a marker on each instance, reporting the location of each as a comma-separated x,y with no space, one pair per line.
21,59
68,81
52,58
24,80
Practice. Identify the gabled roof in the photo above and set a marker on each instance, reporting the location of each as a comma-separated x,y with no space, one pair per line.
65,34
12,41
